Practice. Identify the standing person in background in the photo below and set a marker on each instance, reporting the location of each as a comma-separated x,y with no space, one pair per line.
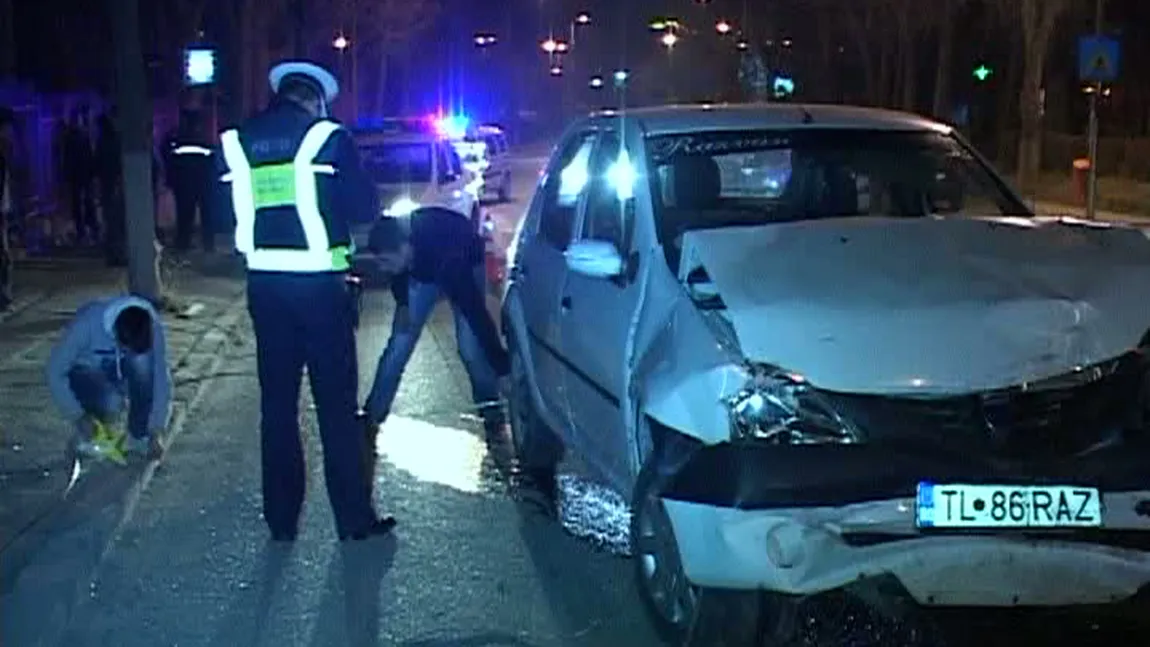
110,177
187,168
78,165
7,207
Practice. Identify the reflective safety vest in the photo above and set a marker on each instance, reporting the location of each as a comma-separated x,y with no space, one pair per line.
281,185
191,149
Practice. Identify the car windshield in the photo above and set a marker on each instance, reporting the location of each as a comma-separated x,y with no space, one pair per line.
398,163
735,178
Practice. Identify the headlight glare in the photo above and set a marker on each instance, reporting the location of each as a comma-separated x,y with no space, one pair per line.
781,408
400,208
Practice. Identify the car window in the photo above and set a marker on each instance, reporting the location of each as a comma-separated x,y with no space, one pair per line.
492,145
738,178
565,185
445,169
608,215
456,162
398,163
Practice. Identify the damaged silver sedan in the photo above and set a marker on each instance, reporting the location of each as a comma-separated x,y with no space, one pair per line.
817,344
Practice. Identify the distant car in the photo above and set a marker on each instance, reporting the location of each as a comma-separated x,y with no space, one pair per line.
414,170
822,345
489,144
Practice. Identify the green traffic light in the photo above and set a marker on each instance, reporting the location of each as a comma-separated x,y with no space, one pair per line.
982,72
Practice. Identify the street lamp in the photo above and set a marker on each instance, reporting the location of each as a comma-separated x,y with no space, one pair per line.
556,70
742,44
483,40
596,82
340,42
620,77
549,45
562,47
583,18
723,27
669,39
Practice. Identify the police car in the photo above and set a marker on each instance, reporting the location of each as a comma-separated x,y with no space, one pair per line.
489,144
415,169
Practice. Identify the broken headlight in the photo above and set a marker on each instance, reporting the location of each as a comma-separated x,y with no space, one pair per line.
781,408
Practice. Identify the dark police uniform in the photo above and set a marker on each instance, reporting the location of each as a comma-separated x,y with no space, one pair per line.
187,167
293,184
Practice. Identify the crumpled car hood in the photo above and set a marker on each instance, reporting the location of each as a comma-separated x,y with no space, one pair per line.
930,305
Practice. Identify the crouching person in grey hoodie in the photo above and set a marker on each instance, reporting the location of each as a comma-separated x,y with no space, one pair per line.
114,349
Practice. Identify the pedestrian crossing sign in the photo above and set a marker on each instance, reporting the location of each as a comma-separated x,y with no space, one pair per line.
1097,59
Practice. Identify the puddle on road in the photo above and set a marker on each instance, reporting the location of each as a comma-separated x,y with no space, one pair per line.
457,458
433,453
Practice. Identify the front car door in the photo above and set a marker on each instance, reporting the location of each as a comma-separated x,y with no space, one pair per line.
596,314
540,266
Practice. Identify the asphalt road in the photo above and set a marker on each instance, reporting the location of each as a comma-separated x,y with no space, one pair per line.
473,562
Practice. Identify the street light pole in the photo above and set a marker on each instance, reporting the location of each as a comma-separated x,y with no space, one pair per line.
1092,182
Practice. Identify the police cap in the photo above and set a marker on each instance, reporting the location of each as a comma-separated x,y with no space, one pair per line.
321,77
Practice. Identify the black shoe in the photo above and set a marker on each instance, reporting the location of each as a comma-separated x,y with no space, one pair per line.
378,528
284,535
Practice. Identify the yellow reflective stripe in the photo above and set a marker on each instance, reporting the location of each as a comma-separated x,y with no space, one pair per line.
243,202
299,260
273,185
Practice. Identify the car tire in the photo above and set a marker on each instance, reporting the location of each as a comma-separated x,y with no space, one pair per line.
537,448
505,188
680,612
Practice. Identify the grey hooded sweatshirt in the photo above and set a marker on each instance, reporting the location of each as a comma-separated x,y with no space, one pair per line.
91,337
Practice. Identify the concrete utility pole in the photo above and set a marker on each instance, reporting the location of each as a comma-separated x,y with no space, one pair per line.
135,126
1092,182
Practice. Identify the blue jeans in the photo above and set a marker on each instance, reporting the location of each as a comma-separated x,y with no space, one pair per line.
102,391
422,298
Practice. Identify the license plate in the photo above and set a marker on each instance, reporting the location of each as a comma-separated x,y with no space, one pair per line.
1005,506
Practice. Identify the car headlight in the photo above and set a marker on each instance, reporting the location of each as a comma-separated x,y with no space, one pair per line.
781,408
400,208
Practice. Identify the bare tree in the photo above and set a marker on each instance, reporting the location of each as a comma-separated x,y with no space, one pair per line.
7,39
945,23
1037,18
135,125
379,30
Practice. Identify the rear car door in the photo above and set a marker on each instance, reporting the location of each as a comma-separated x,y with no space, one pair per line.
450,181
595,316
540,266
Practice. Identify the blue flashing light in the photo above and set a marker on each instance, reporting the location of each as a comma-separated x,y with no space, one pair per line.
452,127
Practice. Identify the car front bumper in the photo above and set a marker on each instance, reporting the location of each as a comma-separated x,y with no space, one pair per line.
805,520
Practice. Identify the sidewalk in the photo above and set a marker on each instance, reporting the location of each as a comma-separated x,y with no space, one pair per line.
40,489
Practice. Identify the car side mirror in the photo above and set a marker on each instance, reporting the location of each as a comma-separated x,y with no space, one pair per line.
594,258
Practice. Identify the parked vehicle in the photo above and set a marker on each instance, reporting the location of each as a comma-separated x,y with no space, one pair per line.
819,344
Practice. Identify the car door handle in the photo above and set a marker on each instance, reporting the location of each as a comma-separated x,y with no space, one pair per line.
565,303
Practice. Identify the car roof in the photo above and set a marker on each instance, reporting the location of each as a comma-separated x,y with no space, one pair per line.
662,120
376,138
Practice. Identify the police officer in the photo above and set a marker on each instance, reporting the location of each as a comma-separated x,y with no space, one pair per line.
291,178
188,163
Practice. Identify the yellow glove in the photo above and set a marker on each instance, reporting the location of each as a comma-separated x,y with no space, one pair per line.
110,443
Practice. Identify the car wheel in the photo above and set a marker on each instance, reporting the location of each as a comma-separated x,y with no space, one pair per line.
505,188
682,613
537,448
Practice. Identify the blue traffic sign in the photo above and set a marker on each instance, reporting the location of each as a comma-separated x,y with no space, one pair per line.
1098,58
